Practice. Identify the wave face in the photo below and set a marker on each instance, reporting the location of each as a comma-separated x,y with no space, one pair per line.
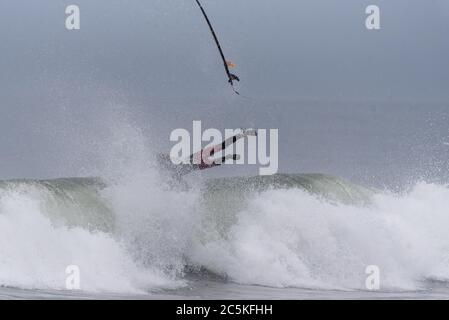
308,231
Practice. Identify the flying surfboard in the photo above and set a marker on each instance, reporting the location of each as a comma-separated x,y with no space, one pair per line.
227,64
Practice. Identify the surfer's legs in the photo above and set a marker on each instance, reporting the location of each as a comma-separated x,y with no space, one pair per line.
226,143
202,159
229,156
230,141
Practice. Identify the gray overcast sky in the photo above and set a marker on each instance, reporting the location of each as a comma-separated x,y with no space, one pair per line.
347,101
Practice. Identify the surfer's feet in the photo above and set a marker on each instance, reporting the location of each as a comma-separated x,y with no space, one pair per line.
250,132
245,133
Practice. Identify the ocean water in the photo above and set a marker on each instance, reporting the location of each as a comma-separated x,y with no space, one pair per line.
288,236
370,109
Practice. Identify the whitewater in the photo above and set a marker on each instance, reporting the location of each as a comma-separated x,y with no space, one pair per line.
285,236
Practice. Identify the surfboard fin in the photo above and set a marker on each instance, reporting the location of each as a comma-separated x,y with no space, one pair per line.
233,77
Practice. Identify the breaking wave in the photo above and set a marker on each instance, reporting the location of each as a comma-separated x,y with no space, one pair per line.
135,235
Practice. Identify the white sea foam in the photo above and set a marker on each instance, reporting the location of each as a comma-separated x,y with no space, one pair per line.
290,238
34,253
